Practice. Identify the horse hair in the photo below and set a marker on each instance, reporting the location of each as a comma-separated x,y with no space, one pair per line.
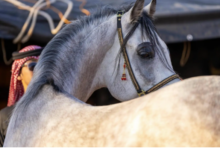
52,54
47,71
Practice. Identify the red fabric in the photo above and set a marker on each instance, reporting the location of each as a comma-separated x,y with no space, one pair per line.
16,88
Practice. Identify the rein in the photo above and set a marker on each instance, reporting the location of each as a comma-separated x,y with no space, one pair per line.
128,64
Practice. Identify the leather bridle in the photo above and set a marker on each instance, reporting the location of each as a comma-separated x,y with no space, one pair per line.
128,64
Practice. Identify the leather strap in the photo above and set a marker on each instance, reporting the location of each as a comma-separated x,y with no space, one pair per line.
128,64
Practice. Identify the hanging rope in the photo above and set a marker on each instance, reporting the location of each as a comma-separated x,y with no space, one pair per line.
185,53
48,3
23,29
19,46
34,19
7,62
82,9
60,14
34,11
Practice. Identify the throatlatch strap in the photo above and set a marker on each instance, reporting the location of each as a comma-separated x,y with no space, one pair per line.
128,64
162,83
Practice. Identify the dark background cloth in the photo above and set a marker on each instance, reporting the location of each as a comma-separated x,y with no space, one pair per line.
5,115
175,19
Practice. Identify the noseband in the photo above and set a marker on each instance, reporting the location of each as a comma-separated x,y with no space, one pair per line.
128,64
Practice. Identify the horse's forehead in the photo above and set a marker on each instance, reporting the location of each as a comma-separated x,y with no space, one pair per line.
138,37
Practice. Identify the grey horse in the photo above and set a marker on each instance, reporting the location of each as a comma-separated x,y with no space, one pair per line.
86,56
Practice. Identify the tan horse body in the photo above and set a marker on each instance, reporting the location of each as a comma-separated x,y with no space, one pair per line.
183,114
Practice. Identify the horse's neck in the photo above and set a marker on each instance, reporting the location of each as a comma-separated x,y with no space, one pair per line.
97,43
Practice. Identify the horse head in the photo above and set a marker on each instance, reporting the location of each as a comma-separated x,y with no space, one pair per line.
148,60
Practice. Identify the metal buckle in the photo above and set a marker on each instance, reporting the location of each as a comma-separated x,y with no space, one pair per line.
120,15
142,93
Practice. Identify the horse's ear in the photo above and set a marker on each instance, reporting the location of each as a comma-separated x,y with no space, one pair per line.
136,11
151,8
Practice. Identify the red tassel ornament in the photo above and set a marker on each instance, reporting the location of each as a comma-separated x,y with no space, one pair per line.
123,78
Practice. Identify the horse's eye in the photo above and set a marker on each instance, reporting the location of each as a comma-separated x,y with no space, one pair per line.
145,50
144,54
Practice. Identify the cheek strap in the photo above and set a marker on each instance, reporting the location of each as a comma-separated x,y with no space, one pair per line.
140,92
